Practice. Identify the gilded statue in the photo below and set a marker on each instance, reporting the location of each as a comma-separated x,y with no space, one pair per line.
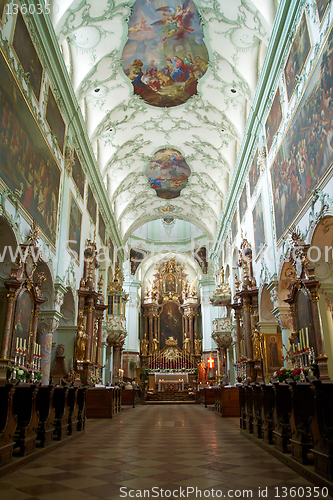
256,343
80,347
155,346
186,345
197,346
144,346
222,275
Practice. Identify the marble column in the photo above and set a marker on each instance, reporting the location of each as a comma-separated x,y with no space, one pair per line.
190,325
116,359
89,332
5,350
46,328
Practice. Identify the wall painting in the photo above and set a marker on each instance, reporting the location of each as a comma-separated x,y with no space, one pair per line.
74,228
27,54
321,6
273,120
136,257
306,152
2,4
167,173
101,227
24,309
254,173
91,205
78,175
258,225
297,56
27,166
273,352
171,324
165,55
243,203
234,226
55,120
200,255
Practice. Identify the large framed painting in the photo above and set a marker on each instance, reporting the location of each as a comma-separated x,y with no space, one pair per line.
27,54
55,120
243,203
254,173
101,227
273,120
78,175
165,55
234,226
306,152
74,228
273,352
258,225
2,4
91,205
137,255
27,165
297,56
111,250
24,309
322,6
200,255
171,324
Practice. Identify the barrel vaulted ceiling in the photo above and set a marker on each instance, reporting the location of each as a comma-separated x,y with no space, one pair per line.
128,133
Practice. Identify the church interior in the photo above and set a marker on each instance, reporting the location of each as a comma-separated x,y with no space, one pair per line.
166,248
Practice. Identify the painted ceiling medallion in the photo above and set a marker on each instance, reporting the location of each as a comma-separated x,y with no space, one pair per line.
167,173
165,54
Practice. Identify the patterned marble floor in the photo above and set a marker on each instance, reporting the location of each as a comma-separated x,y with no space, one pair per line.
182,451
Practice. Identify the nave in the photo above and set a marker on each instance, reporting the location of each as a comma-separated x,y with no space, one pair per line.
182,449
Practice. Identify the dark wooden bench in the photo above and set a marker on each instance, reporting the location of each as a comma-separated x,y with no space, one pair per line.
249,408
130,397
44,406
60,404
229,401
267,411
257,414
218,399
282,410
322,428
101,402
24,407
73,410
242,405
8,423
207,396
302,412
81,402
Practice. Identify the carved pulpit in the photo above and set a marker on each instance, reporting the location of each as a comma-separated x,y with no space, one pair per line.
24,299
88,346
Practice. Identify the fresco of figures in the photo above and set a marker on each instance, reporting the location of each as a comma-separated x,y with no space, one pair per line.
234,226
321,6
167,173
78,175
165,55
254,173
55,120
26,162
306,152
27,54
273,120
74,228
243,203
258,226
91,205
297,56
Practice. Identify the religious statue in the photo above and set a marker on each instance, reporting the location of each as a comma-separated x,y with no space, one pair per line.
222,275
256,343
144,346
81,341
197,346
186,345
192,292
155,346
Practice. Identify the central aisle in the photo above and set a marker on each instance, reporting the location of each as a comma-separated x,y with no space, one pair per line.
171,447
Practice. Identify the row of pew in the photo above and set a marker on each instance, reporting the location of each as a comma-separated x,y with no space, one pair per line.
33,416
227,401
103,402
294,417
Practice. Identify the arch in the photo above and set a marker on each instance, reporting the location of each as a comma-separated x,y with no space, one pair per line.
265,307
47,285
68,309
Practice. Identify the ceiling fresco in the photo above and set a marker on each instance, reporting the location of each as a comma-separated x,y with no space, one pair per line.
167,173
107,44
165,55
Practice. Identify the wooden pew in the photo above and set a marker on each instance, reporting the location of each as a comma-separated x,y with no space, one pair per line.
229,401
8,423
24,407
267,411
322,428
44,406
218,397
249,408
130,398
73,410
257,413
101,402
282,409
302,403
207,396
81,402
60,404
242,405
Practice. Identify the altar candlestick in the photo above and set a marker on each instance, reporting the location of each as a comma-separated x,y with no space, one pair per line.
300,339
21,343
17,342
24,344
307,337
302,333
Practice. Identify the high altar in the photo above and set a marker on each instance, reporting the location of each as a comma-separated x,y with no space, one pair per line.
171,347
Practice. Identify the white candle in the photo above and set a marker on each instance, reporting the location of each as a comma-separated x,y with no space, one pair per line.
24,344
302,331
17,342
38,349
307,337
300,340
21,343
